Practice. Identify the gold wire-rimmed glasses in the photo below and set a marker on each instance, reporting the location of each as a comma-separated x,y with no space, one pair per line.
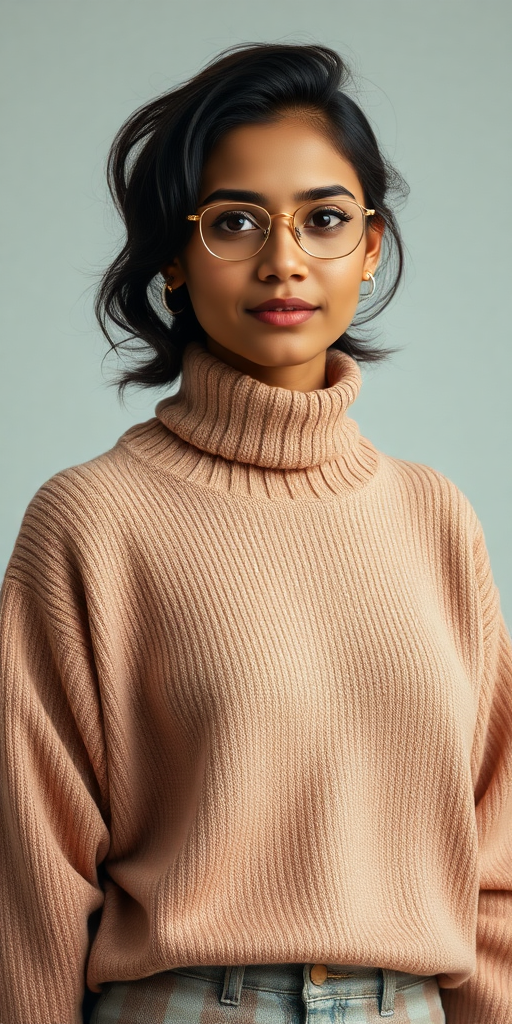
327,229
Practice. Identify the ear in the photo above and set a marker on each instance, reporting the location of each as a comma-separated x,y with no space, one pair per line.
373,244
174,273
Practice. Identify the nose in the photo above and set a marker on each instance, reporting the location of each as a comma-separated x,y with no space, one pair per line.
282,256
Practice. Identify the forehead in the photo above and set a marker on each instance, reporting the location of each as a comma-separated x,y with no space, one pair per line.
278,160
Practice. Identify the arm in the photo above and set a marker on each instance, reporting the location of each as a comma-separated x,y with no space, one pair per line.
53,799
486,998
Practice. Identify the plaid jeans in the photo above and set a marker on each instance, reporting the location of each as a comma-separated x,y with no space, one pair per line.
272,994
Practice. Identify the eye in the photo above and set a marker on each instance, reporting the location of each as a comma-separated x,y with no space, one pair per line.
235,222
327,218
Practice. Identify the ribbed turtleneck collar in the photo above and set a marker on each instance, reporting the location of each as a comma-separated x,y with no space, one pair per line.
226,412
225,431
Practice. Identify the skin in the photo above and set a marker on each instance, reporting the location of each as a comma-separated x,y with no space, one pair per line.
276,160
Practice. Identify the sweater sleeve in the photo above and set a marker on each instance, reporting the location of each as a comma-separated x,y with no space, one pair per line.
486,998
53,794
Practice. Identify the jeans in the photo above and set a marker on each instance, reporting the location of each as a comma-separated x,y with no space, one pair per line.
272,994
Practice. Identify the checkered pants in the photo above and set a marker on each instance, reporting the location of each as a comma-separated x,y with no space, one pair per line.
272,994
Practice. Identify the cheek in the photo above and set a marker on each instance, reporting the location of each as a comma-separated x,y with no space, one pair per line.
342,283
216,289
211,283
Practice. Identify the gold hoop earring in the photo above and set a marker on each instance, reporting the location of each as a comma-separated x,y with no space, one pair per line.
368,295
166,287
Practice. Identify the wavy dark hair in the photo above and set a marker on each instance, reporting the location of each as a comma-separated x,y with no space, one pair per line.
154,173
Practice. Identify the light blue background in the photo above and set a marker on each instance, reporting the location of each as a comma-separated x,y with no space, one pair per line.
435,79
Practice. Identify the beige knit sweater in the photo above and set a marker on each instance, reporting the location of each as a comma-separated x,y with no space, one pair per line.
256,670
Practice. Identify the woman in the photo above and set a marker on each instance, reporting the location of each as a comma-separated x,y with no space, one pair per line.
257,698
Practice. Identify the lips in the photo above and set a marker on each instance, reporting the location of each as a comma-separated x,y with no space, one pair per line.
288,312
284,305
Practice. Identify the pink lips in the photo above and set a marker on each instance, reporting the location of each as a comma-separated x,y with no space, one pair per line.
283,312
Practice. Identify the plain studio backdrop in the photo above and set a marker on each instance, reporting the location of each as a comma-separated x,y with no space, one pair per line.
434,79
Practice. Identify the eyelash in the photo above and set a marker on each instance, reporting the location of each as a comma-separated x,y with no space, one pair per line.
341,214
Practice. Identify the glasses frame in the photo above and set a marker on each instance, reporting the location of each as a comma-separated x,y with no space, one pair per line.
198,217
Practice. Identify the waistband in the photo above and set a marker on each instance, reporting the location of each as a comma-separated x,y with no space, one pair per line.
316,982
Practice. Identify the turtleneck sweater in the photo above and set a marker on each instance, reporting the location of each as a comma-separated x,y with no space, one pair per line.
256,708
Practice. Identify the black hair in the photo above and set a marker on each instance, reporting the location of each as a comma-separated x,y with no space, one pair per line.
154,172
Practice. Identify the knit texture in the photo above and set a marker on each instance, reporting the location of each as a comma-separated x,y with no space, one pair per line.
256,706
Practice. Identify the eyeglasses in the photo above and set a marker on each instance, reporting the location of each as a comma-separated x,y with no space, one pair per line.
327,230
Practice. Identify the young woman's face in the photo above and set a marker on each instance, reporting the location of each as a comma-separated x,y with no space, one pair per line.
279,162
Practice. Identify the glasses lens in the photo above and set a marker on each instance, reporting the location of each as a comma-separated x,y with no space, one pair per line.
234,232
329,229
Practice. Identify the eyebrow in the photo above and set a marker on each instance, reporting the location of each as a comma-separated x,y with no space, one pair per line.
245,196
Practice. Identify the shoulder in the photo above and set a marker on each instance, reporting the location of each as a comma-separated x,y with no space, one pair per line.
436,514
100,486
440,518
77,510
75,492
425,489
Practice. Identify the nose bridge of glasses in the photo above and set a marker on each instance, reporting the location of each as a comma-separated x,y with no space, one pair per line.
289,218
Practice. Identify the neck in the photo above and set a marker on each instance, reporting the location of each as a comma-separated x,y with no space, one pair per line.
224,431
309,376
